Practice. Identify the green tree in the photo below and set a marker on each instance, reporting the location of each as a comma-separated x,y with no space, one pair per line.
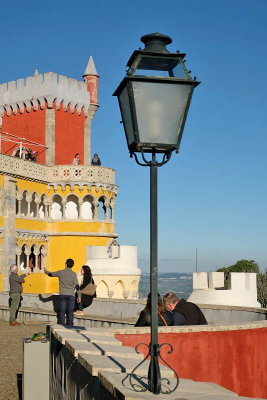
248,266
241,266
262,288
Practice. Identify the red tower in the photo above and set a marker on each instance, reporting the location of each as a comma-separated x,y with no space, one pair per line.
51,114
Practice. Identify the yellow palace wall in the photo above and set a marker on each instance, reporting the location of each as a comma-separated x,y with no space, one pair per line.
67,238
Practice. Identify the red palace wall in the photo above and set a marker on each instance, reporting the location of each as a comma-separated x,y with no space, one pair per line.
69,135
29,125
234,359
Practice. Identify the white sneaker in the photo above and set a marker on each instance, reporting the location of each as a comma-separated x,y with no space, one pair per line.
78,312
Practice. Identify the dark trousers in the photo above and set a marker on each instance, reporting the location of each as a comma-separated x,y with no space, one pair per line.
66,306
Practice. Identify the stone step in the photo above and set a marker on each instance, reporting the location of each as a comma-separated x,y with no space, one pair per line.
94,364
98,349
63,335
119,386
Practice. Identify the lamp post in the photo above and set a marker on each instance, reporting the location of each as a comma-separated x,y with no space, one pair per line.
154,98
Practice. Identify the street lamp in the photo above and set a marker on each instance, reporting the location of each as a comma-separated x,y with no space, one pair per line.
154,98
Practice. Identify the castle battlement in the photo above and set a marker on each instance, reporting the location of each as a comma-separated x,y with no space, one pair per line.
25,94
242,291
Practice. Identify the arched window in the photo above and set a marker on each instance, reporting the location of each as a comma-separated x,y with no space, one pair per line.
71,211
24,257
57,207
24,203
33,205
102,290
102,207
43,203
87,207
118,290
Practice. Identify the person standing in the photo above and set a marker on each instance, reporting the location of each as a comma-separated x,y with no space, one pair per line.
68,283
76,161
96,160
15,282
184,312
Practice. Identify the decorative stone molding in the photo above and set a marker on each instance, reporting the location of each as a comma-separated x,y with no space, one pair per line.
23,94
36,236
60,174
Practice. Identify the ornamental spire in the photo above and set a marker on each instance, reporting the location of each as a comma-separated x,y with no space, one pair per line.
90,69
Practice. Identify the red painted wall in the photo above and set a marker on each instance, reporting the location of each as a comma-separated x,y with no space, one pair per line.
92,87
69,136
234,359
29,125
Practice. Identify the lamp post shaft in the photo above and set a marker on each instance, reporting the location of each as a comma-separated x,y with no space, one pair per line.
154,371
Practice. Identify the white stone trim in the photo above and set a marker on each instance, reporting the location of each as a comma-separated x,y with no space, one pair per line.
39,235
60,175
41,88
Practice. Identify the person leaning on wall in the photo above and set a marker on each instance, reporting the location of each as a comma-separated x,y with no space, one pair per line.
184,312
164,316
15,282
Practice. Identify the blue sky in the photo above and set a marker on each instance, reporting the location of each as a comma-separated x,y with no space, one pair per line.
213,194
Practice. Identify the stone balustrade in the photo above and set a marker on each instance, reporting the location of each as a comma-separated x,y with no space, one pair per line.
55,174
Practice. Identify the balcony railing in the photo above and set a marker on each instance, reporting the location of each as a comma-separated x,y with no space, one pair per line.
58,173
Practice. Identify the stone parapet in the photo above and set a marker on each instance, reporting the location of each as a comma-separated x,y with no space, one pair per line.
58,174
102,371
26,94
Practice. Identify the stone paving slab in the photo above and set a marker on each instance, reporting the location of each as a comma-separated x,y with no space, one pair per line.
110,340
101,349
119,385
94,364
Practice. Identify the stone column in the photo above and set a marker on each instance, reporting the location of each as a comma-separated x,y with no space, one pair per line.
64,202
19,199
9,225
37,208
106,209
50,136
87,133
27,253
18,254
36,253
96,209
80,204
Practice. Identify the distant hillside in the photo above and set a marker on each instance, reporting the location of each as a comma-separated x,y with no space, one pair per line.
180,283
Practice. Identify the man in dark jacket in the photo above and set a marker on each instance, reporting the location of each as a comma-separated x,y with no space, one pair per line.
184,312
68,283
15,282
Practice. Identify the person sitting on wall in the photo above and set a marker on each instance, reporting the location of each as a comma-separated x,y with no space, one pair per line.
96,160
184,312
164,316
86,299
15,282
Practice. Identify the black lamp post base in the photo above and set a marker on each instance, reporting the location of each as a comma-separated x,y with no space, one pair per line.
153,382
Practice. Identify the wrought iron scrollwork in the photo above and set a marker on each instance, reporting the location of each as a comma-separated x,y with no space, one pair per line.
153,382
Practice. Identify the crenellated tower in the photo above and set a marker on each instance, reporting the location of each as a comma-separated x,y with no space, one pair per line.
50,209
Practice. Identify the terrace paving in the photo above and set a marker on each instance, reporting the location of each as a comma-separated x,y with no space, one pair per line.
11,357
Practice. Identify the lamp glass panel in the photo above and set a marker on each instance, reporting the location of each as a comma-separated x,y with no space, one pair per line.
126,115
160,67
160,110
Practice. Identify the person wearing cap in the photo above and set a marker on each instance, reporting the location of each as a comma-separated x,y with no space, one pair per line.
15,282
